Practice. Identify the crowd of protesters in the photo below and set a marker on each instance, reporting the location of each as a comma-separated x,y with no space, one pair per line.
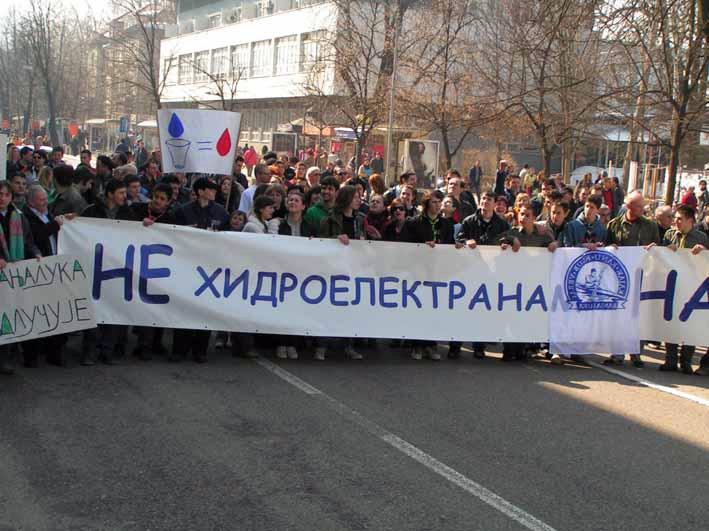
268,194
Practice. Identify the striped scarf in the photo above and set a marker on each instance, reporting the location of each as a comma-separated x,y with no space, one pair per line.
12,246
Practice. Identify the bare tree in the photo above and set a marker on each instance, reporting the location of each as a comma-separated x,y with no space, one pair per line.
220,85
135,42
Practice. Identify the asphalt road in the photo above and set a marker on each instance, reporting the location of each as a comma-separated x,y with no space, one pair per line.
383,443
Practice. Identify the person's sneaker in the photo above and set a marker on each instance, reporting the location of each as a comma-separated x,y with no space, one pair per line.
687,369
281,353
251,354
353,354
200,358
228,342
141,354
219,343
612,361
479,354
702,371
319,354
434,355
416,354
6,370
292,353
453,354
556,359
666,367
637,362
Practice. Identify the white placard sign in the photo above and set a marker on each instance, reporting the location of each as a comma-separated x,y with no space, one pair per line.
44,298
199,141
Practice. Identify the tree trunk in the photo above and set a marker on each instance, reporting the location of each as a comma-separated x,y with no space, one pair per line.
28,109
448,156
673,163
52,108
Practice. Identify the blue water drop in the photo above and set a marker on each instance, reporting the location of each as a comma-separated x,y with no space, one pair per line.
175,127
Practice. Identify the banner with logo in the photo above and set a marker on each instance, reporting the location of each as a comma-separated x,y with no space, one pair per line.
599,309
675,297
180,277
201,141
44,298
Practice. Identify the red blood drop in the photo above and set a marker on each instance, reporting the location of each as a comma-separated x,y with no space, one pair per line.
224,143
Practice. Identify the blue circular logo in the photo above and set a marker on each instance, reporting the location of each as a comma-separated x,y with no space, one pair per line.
597,280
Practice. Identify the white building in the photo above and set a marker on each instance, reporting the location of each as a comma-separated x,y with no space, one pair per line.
258,53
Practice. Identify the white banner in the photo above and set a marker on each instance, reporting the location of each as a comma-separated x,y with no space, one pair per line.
44,298
180,277
199,141
675,297
600,293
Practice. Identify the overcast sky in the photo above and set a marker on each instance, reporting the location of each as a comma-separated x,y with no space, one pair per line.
99,7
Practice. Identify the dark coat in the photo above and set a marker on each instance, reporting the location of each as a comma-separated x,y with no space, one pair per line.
100,211
68,202
420,230
142,210
31,249
306,229
194,215
332,226
475,228
41,231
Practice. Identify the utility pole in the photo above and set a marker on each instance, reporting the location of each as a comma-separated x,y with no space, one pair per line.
392,96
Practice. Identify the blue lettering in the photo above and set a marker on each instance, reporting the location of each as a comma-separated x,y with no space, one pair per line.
453,294
667,295
146,273
480,296
696,303
304,288
271,297
335,289
125,272
230,287
516,296
435,286
208,282
384,291
285,287
407,293
537,297
358,290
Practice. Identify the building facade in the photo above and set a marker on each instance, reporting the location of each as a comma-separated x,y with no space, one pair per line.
251,56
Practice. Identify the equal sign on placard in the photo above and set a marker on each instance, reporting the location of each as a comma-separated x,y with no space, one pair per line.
204,145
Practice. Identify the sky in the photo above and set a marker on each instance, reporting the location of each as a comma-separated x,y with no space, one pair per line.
100,7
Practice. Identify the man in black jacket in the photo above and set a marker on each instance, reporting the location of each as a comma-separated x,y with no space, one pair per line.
203,213
112,338
45,230
482,228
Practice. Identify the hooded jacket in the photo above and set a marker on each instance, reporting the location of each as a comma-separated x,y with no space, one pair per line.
578,232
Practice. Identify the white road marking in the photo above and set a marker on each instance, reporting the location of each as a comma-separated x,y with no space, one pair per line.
483,494
651,385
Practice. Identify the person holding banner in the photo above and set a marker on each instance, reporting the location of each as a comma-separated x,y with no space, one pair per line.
320,211
683,235
432,229
631,228
345,223
203,213
527,234
484,227
16,244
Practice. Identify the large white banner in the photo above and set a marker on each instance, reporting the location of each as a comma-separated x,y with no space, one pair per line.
675,297
180,277
200,141
600,309
44,298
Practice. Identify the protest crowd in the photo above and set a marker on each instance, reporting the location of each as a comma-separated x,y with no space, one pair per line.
267,194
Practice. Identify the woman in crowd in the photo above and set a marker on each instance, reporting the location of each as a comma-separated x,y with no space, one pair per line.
278,194
345,223
293,224
225,196
377,219
312,196
237,221
46,180
260,215
432,229
397,218
376,185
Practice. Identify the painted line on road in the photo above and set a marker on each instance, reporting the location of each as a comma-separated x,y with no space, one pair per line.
483,494
651,385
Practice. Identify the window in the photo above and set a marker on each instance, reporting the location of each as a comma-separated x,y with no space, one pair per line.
311,47
264,7
287,55
220,63
168,71
240,61
201,66
214,21
184,69
261,59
